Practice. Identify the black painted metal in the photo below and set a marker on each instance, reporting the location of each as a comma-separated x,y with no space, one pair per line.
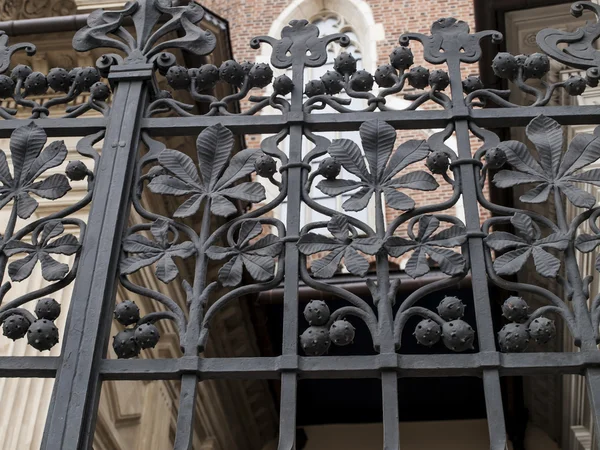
259,252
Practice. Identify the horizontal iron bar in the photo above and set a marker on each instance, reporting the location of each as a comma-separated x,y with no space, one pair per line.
28,366
57,127
489,118
407,366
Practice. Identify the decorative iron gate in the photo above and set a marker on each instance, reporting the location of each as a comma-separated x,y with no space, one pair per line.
270,252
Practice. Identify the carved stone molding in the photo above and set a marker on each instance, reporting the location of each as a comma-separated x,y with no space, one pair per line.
32,9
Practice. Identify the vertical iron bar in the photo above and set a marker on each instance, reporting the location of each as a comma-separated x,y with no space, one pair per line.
483,312
76,393
289,386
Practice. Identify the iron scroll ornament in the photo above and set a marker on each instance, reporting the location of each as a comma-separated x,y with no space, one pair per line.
580,51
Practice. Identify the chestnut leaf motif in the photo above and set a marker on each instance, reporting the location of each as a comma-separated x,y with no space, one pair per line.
216,180
342,245
160,251
426,243
257,257
41,247
29,162
527,242
553,170
378,139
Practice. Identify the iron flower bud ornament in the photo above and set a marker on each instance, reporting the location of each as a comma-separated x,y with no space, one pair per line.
316,312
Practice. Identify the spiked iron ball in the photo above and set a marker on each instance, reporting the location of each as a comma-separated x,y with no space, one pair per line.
345,64
575,85
15,326
513,338
495,158
427,332
20,72
536,65
542,330
471,84
361,81
458,335
207,77
147,335
260,75
437,162
42,334
100,91
385,76
47,308
515,309
341,332
316,312
418,77
521,60
314,87
76,170
86,77
35,84
315,341
451,308
333,82
330,168
265,166
247,66
439,79
7,86
178,77
402,58
125,344
505,66
282,85
127,312
232,72
59,79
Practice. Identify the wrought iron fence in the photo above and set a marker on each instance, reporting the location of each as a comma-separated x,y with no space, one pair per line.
252,242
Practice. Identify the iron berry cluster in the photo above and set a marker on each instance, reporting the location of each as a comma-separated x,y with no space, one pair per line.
515,336
456,334
130,342
24,82
323,330
42,333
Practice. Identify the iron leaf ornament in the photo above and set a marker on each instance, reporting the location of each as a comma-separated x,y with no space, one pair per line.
255,255
344,244
384,164
29,162
40,249
160,251
429,244
149,44
553,170
214,180
525,244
